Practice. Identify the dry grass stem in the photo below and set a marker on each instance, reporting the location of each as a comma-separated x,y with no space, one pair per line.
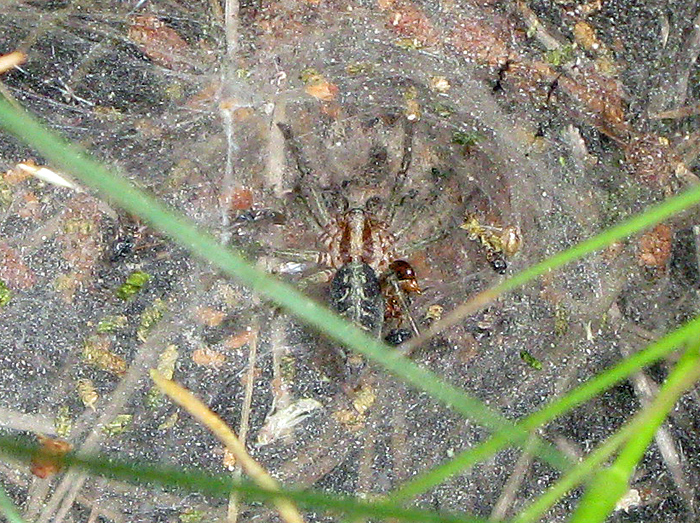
214,423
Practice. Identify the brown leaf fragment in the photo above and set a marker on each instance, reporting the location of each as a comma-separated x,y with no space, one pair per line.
17,174
80,239
237,341
654,249
205,98
596,98
207,357
161,43
585,36
481,41
679,112
324,90
589,8
48,459
13,270
408,21
210,317
650,158
30,207
241,199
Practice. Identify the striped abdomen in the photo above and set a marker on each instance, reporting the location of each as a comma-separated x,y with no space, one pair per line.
356,295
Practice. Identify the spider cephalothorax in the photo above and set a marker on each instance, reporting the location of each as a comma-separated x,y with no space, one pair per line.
357,236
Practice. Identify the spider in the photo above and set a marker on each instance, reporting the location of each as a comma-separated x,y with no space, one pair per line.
371,283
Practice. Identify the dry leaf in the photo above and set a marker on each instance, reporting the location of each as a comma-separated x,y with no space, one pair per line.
207,357
439,84
48,459
480,41
324,90
210,317
160,43
280,425
30,207
96,352
229,460
410,22
650,159
241,199
239,340
10,60
13,271
87,392
655,247
584,34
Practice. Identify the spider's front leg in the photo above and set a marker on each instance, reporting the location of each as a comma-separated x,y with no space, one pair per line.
310,195
400,178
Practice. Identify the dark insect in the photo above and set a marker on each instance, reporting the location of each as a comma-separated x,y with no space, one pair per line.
502,70
130,237
258,215
398,336
497,261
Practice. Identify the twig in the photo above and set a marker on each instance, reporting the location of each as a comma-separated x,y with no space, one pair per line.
514,482
228,106
232,24
274,173
68,488
216,425
245,420
12,419
646,391
228,178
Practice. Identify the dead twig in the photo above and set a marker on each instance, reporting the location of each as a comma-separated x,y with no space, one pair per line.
245,420
216,425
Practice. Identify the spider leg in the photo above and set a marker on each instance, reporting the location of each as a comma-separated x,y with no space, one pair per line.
322,276
408,248
396,190
307,191
297,255
420,211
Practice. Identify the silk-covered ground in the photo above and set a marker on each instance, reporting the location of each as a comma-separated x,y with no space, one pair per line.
558,118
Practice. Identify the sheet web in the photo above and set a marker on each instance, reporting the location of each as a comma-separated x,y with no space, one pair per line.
538,118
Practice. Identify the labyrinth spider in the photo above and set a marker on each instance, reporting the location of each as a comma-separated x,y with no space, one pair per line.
361,248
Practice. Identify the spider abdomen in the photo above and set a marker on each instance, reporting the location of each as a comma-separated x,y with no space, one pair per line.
356,295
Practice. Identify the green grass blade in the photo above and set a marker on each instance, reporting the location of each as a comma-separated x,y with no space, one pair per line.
124,194
221,486
8,509
610,485
575,476
572,399
683,376
648,218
